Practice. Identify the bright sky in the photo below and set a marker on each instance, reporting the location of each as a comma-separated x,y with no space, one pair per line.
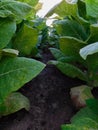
48,4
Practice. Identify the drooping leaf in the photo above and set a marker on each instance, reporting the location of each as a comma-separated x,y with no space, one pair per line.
7,30
63,9
89,50
15,72
16,9
70,28
13,103
60,56
69,70
56,53
26,40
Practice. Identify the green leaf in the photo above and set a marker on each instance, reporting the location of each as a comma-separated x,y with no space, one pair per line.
85,113
15,9
60,56
89,50
86,122
10,52
56,53
32,3
81,9
93,105
7,30
15,72
92,8
72,127
70,28
13,103
25,40
64,9
71,46
69,70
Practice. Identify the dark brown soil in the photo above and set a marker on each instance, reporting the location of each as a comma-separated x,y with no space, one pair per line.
50,102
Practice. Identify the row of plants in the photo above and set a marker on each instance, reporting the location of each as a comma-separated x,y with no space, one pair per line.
18,38
77,56
74,45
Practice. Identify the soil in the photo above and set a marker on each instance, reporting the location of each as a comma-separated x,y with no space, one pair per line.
50,101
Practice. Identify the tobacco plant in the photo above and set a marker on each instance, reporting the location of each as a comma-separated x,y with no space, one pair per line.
78,42
77,56
17,39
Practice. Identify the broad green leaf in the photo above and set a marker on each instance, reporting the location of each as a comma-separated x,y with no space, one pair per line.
16,9
64,9
85,113
60,56
15,72
25,40
7,30
71,46
69,70
92,8
70,28
10,52
89,50
32,3
13,103
93,105
86,122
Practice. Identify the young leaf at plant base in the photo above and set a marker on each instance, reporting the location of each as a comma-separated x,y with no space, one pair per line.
13,103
